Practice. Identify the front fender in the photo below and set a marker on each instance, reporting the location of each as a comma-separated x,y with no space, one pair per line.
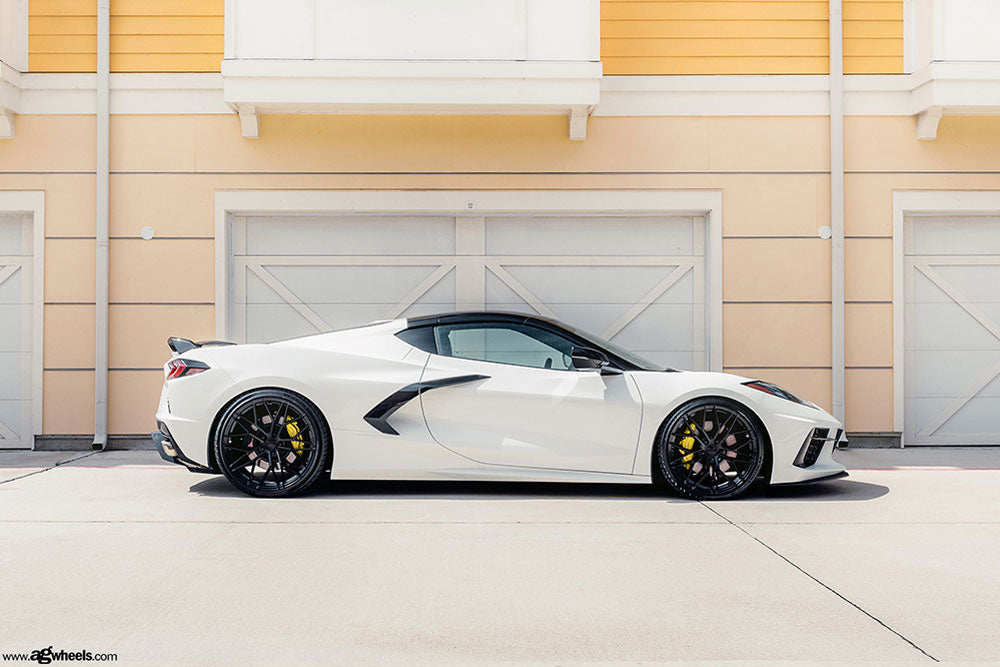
663,393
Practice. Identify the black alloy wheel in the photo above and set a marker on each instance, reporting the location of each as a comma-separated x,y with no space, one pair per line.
271,443
710,449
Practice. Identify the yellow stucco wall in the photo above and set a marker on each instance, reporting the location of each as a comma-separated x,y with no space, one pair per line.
146,35
772,173
747,36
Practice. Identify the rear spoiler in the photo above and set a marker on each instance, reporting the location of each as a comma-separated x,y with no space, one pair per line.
181,345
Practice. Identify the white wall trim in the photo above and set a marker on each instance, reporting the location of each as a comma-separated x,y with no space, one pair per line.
952,88
717,95
165,93
481,202
32,202
921,202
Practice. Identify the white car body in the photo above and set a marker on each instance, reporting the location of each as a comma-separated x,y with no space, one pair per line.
517,423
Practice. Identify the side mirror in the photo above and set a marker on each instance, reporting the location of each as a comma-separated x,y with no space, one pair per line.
588,359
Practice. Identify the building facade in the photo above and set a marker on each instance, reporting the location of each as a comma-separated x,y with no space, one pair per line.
691,179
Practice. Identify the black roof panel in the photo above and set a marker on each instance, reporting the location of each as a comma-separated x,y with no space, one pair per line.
471,316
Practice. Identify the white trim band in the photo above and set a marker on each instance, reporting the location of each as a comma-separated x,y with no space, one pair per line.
955,87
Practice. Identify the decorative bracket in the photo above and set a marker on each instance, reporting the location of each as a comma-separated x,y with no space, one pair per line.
6,123
578,123
927,123
249,121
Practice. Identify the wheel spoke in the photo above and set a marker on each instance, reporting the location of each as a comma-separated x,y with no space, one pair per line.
706,470
724,431
249,428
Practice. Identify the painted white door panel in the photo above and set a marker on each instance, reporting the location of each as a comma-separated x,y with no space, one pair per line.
15,331
534,417
952,330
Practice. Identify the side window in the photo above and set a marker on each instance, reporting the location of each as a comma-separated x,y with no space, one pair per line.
502,343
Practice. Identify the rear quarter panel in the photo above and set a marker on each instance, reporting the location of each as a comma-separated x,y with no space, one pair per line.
344,374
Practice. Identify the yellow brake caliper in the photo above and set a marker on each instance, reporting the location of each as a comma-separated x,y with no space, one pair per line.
687,443
295,433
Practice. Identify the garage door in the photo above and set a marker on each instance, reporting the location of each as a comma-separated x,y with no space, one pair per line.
15,331
952,332
639,281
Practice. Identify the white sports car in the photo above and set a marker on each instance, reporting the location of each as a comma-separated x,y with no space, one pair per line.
478,395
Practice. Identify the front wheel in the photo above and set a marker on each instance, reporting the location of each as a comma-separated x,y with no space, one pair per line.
710,449
271,443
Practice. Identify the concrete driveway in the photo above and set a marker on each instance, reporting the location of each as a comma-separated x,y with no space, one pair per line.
118,553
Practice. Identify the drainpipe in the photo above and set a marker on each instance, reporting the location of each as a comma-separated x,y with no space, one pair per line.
101,261
837,201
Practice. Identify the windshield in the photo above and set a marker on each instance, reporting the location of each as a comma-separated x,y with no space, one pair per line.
619,351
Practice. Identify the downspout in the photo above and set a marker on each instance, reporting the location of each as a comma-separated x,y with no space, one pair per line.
837,201
101,260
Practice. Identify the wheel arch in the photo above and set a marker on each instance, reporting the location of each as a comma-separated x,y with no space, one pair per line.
213,464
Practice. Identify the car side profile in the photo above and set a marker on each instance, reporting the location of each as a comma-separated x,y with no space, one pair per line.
479,395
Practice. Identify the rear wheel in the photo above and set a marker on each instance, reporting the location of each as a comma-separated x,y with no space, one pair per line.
710,449
271,443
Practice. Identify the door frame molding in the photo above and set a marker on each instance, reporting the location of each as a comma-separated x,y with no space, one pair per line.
32,203
459,203
915,203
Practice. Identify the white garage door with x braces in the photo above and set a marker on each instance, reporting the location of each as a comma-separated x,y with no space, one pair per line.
638,280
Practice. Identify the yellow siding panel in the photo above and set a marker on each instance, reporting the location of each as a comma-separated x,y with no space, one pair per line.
61,25
164,44
714,47
863,10
747,36
62,7
873,37
63,62
717,29
873,47
873,64
146,35
167,25
69,44
868,29
166,62
716,65
641,10
165,7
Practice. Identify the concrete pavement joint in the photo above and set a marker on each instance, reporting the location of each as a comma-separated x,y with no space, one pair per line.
51,467
832,590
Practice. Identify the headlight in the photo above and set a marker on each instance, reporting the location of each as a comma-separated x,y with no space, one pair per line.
775,390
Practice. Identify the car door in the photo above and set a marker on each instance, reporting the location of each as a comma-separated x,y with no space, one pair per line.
530,408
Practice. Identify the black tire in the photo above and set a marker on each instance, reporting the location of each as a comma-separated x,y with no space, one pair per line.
710,449
271,443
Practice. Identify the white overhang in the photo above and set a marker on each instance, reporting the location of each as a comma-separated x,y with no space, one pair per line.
943,88
952,52
253,87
